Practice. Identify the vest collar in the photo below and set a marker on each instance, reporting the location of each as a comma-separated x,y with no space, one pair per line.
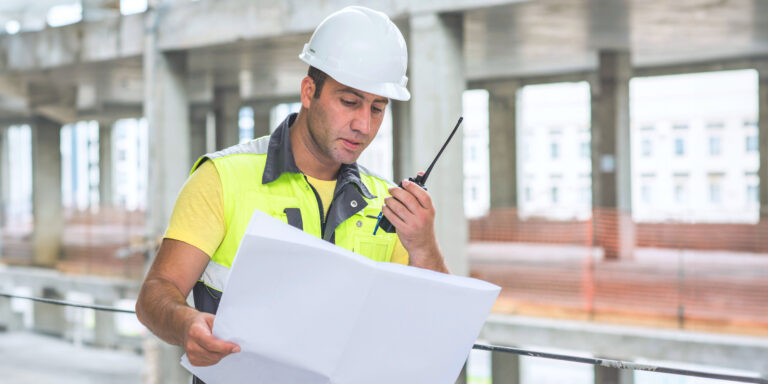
280,160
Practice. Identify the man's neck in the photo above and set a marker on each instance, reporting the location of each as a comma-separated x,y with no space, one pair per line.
310,160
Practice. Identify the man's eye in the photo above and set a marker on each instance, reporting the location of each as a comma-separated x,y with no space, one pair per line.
376,110
347,102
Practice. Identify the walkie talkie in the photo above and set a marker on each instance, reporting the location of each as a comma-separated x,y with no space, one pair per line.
420,180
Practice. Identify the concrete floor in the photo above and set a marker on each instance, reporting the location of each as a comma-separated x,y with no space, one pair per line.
34,359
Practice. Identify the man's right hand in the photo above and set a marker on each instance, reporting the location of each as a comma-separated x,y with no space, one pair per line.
204,349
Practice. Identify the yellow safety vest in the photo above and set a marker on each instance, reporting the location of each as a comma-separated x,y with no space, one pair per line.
261,174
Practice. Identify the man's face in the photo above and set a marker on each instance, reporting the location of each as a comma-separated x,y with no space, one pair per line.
343,120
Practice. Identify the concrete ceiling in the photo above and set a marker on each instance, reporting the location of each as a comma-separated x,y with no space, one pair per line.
547,37
514,40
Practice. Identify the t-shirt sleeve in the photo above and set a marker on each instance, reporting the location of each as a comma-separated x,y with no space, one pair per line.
399,254
198,216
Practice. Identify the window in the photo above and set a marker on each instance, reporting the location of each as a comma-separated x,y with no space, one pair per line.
586,195
554,150
645,193
716,125
245,124
715,146
679,146
753,195
680,126
715,188
527,193
585,150
681,188
751,143
647,147
555,191
679,193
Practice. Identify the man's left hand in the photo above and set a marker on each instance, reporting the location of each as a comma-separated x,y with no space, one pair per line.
411,211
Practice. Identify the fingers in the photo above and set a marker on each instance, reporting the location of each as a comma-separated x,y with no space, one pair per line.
421,195
412,196
393,218
202,347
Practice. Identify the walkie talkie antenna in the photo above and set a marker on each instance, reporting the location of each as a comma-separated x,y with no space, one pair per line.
426,174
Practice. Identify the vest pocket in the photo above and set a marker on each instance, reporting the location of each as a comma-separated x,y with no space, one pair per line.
376,248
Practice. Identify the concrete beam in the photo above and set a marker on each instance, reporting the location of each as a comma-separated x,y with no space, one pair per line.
437,84
628,343
95,10
502,126
187,25
611,154
101,288
46,191
93,41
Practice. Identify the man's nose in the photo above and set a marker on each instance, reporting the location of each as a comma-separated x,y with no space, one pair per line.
362,120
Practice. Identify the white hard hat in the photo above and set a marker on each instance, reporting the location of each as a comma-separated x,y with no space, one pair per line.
363,49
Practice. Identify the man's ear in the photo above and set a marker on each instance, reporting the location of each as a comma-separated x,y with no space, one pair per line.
307,91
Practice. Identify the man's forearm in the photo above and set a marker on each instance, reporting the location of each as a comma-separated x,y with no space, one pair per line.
163,310
428,258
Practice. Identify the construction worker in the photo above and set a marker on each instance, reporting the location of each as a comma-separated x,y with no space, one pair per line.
304,174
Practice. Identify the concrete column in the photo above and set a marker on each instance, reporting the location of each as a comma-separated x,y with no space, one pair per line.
437,83
462,379
605,375
5,178
167,111
197,132
505,368
105,163
261,110
402,141
105,332
763,140
47,318
502,133
162,363
227,105
611,177
46,191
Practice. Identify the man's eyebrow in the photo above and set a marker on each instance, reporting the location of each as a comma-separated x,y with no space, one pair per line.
360,95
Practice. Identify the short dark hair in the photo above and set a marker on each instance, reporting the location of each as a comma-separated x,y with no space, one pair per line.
318,77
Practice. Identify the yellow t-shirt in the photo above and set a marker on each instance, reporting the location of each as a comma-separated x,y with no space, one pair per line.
198,216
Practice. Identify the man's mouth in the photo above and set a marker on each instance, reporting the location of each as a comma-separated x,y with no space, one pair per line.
351,144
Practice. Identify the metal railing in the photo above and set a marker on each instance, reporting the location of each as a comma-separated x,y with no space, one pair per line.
617,364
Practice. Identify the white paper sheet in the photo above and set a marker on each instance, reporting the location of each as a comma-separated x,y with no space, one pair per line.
305,311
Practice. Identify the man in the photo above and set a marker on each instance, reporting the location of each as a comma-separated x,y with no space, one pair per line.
304,174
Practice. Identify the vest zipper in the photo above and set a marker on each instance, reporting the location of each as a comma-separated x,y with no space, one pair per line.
319,207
